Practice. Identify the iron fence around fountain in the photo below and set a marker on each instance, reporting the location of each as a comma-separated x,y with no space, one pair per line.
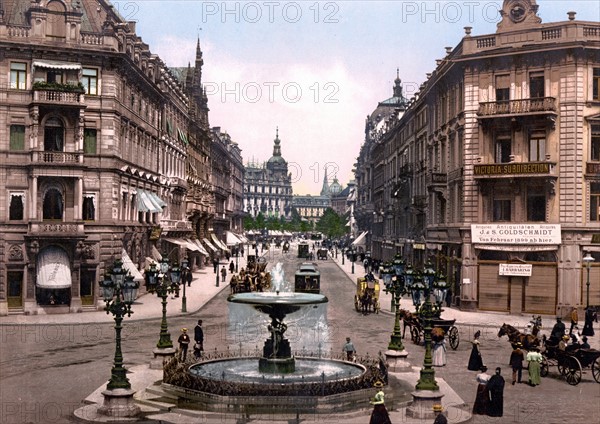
176,373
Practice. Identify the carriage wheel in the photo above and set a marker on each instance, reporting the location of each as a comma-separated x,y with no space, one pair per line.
357,303
544,367
415,335
596,369
572,371
453,337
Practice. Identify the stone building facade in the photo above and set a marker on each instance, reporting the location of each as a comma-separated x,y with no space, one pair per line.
493,170
95,132
268,186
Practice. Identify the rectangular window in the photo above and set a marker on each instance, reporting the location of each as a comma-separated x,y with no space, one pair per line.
595,144
89,141
596,84
89,79
501,210
536,206
54,76
595,202
16,207
88,212
503,147
17,137
536,85
537,147
18,75
502,88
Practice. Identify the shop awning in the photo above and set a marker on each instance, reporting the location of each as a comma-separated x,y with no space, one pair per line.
129,266
145,204
160,203
209,245
191,246
202,249
53,269
55,64
241,237
218,243
156,254
232,239
361,240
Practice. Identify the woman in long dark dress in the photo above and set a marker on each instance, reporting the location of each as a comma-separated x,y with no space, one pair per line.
380,414
482,397
475,361
496,388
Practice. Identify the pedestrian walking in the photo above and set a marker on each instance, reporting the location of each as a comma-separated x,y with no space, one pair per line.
215,264
438,355
534,359
475,361
516,362
482,396
349,349
223,274
380,414
496,388
231,267
184,342
574,319
199,340
440,418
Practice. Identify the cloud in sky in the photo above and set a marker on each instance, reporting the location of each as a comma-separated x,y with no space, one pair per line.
313,69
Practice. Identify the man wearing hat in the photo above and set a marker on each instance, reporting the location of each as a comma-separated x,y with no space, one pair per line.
184,342
516,362
562,345
440,418
558,331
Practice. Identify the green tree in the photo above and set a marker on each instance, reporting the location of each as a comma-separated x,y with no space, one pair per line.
249,223
331,224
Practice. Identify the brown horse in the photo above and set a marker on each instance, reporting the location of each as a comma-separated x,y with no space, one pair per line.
409,319
515,336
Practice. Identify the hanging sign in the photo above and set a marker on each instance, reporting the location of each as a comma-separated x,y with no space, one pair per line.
515,270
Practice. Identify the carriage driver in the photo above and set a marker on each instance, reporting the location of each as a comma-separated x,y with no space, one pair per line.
558,331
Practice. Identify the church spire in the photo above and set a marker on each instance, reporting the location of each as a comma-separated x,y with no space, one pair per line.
325,188
276,143
397,86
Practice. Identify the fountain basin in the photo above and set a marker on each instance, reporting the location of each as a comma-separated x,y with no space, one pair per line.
307,370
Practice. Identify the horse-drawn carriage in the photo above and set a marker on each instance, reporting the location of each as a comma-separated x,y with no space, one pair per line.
366,298
307,278
416,325
570,362
322,254
253,278
515,336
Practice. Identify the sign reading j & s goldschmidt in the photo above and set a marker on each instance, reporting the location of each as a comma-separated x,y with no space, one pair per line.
515,270
516,233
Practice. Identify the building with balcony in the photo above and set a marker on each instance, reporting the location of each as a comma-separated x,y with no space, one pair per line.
492,170
94,136
268,186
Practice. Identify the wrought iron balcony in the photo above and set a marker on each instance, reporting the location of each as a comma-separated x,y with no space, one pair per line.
504,108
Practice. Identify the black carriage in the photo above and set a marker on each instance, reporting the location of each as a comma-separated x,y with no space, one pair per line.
417,330
286,247
570,362
307,278
322,254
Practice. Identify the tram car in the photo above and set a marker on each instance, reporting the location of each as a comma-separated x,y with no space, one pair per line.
307,278
303,250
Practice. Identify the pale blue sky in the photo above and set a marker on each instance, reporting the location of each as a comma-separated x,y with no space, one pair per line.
313,69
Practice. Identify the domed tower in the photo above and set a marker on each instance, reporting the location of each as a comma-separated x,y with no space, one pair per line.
335,188
276,165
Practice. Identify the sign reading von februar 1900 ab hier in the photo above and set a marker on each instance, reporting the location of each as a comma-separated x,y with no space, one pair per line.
516,233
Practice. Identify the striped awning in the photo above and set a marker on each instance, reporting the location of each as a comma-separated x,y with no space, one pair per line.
232,239
200,247
129,266
209,245
55,64
219,243
53,269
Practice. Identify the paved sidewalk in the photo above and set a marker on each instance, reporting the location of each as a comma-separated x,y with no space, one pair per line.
148,306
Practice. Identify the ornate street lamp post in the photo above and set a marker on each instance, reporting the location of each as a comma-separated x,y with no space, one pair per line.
164,281
186,275
588,327
396,287
353,253
427,313
119,291
343,255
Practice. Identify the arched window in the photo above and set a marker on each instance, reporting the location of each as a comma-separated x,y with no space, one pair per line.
56,23
53,135
53,204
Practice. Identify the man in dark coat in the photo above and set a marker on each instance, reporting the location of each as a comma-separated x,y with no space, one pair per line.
558,331
516,362
199,339
496,388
